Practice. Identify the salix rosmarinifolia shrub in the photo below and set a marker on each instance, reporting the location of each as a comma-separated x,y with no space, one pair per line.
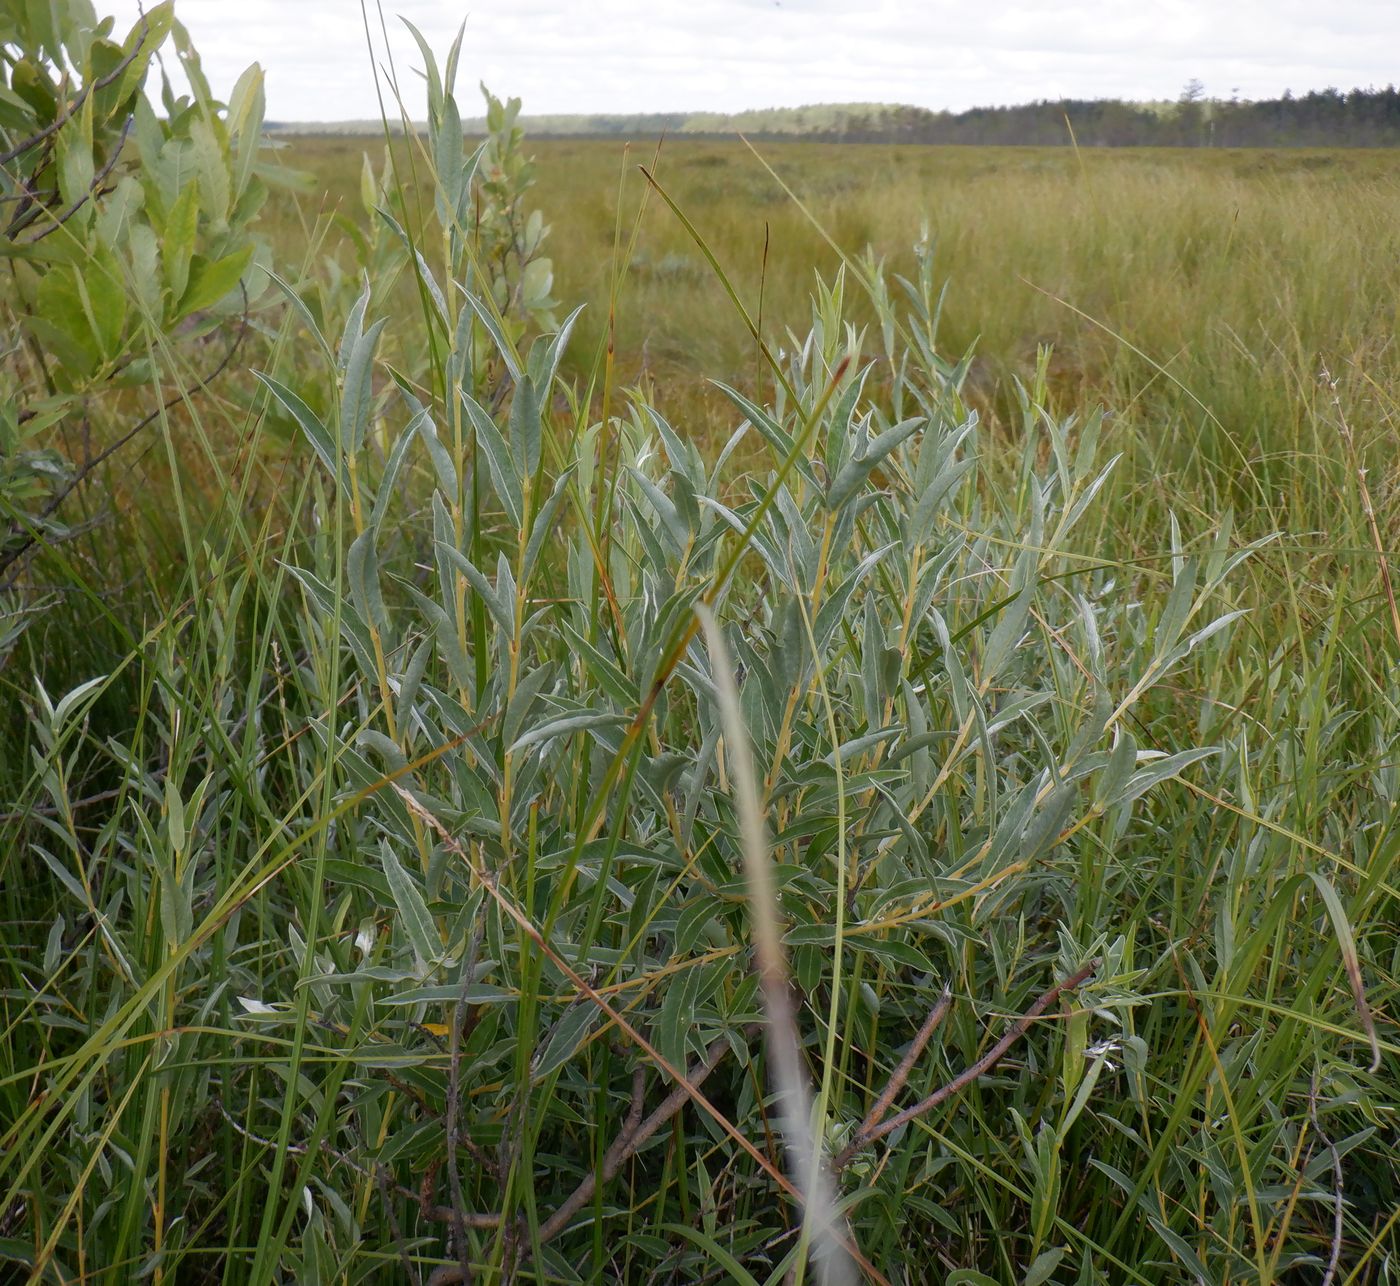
526,729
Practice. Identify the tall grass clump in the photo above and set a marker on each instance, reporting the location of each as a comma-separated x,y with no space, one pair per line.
538,843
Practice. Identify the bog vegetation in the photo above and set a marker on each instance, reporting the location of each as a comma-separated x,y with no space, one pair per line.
573,722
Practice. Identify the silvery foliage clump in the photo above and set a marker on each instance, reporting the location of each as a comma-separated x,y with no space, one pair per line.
931,676
491,239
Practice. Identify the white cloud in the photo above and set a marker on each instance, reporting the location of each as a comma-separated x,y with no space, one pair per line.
660,55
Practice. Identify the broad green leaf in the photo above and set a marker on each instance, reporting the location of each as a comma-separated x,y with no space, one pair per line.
177,243
210,282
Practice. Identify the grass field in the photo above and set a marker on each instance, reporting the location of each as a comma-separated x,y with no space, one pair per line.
265,1019
1195,294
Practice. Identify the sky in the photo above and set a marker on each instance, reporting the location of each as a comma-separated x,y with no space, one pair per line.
727,55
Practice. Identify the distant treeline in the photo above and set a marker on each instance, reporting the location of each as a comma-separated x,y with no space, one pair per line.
1322,118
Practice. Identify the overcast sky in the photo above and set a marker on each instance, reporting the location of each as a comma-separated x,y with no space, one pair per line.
725,55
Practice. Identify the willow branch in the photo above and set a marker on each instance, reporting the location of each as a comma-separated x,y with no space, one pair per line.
8,558
870,1133
76,105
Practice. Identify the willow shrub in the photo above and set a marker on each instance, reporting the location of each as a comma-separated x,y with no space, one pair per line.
526,732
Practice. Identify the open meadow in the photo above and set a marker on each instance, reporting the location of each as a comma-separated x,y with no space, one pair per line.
1194,294
875,756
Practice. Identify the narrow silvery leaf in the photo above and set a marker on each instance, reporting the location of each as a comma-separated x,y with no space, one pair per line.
328,607
683,497
797,537
838,433
566,1037
505,586
448,149
1159,771
857,470
558,342
388,750
1119,769
449,645
445,538
1085,499
601,669
872,644
390,476
430,67
920,760
526,426
362,572
934,496
1011,827
454,54
959,689
1177,610
931,574
302,311
1194,641
413,677
413,911
778,566
443,467
71,700
354,329
504,347
1005,635
683,457
544,523
671,522
1049,821
357,390
499,607
425,274
316,432
506,476
1014,709
859,745
567,724
1351,961
777,436
522,701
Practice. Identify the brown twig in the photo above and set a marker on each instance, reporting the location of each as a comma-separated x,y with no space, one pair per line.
97,180
76,105
404,1261
11,556
900,1074
868,1134
684,1086
629,1141
51,810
